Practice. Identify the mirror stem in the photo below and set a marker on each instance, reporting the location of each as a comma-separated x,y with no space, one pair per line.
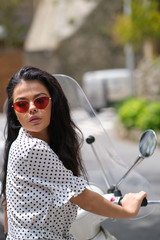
101,167
138,160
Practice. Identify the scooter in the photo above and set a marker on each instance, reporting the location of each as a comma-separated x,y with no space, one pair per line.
106,170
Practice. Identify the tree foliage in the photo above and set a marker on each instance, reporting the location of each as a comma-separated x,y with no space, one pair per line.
142,24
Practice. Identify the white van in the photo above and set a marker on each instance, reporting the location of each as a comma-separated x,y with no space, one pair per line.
106,86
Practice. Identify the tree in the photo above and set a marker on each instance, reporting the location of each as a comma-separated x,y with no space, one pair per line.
141,26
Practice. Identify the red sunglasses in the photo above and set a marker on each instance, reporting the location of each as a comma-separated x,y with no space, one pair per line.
23,105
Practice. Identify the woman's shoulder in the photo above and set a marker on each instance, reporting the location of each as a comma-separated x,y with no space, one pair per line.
25,140
27,144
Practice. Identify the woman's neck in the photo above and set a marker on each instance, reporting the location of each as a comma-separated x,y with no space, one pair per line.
41,135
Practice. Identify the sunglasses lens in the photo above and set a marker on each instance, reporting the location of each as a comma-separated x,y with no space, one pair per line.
21,106
41,102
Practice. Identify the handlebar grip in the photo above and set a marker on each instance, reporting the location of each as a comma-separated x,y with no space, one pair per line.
144,202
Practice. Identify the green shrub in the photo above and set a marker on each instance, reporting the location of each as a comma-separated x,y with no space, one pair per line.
129,111
149,117
140,113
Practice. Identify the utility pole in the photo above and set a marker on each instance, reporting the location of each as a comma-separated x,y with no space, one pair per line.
128,49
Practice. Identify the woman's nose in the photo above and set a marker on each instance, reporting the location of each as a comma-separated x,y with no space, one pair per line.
32,107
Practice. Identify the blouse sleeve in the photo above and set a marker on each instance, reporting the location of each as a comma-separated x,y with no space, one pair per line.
46,170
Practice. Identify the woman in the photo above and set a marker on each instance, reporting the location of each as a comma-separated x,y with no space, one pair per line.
42,172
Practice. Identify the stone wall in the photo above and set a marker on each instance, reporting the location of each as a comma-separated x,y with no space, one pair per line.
147,79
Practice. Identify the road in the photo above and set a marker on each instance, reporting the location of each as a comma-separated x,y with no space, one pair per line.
142,229
146,228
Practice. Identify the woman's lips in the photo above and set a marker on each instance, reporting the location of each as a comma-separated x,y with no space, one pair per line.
34,119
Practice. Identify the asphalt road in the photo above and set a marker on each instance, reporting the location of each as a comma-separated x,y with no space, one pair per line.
146,228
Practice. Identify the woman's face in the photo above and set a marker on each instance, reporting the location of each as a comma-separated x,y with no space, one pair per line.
34,120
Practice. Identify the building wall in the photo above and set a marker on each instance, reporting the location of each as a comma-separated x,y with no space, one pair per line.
12,59
10,62
90,48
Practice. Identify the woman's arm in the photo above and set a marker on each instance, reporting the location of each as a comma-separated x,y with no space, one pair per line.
95,203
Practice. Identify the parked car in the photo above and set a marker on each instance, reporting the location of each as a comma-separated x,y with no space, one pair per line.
104,87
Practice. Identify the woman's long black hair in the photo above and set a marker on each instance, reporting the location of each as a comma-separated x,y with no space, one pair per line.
63,133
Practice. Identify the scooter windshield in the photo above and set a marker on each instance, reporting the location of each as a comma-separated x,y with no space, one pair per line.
109,168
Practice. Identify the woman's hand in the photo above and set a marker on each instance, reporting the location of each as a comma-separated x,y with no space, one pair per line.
132,202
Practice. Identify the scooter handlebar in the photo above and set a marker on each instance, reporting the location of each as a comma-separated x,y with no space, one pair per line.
117,200
144,202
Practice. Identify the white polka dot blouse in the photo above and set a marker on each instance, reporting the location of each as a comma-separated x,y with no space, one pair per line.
38,190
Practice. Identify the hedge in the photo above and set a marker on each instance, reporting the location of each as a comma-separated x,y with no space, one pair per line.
140,113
